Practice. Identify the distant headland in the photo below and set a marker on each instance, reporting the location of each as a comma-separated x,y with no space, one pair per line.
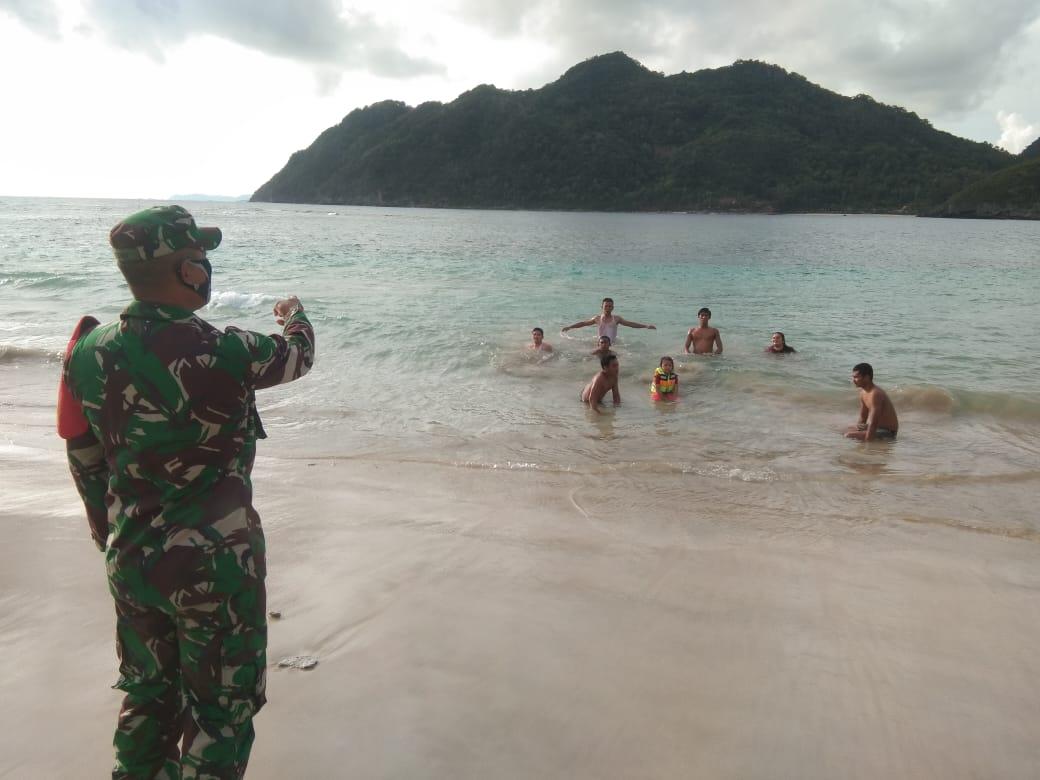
198,197
611,135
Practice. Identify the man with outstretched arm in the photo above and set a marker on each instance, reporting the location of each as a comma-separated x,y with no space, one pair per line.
607,322
877,415
159,413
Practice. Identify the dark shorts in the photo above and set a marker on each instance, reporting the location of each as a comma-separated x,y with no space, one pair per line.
884,433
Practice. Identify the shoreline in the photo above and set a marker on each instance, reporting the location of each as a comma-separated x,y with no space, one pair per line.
1003,215
516,624
498,583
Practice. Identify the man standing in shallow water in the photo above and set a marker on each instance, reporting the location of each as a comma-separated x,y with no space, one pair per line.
703,338
877,415
607,379
607,322
159,414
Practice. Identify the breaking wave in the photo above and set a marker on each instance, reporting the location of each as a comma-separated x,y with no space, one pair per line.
238,301
13,353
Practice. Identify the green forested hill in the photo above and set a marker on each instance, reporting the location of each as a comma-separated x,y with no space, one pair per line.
612,135
1011,193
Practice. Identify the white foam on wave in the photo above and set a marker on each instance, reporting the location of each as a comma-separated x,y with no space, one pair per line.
10,353
240,301
508,465
720,471
23,454
10,327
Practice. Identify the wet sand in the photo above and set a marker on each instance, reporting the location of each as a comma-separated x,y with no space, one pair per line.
476,623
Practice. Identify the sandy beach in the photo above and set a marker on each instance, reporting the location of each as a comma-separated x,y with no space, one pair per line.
519,625
499,583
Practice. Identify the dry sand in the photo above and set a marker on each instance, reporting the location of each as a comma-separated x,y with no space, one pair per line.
480,624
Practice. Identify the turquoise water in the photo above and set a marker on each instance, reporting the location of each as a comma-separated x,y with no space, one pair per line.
422,315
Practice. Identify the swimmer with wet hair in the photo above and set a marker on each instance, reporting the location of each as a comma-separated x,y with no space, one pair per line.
606,380
537,342
604,347
704,339
778,344
877,415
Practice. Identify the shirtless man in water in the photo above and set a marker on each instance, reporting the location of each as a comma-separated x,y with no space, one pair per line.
607,379
537,343
877,416
704,338
607,322
603,348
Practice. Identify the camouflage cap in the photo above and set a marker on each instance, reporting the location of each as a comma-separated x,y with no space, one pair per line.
158,232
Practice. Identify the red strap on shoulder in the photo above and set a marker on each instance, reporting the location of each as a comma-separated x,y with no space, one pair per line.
71,420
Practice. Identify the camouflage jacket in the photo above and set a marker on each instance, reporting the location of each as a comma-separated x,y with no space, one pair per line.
165,463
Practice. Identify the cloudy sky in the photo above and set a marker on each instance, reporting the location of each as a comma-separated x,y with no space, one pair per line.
147,98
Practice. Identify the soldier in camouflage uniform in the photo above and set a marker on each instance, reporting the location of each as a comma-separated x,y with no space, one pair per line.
162,460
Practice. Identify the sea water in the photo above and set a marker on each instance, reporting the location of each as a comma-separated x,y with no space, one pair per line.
422,317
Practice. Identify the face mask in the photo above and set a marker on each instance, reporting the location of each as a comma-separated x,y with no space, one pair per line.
205,288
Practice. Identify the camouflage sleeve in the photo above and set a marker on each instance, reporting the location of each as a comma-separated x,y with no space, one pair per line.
275,359
90,473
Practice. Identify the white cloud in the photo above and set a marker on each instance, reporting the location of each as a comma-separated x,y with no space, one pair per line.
1015,133
146,97
40,16
323,33
932,56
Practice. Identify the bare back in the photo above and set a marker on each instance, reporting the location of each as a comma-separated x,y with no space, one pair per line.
880,407
596,390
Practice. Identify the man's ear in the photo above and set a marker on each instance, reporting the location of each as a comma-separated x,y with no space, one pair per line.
191,273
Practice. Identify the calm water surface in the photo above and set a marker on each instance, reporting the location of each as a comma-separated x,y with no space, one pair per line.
422,316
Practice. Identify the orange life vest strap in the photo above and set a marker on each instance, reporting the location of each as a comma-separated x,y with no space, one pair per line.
71,420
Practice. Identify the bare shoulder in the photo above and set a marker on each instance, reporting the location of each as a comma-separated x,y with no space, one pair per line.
875,395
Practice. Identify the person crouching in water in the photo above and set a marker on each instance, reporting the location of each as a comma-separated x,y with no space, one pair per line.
877,415
605,381
665,383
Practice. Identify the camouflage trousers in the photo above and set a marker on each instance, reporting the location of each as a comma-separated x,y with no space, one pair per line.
192,672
